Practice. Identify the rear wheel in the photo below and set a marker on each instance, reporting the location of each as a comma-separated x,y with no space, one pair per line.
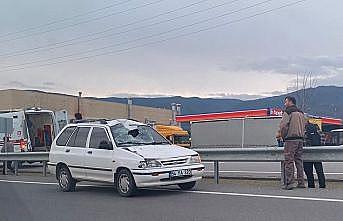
65,181
125,183
187,186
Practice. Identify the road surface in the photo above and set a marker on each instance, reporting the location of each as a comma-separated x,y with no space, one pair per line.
37,198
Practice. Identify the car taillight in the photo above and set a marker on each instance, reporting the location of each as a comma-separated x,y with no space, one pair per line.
23,145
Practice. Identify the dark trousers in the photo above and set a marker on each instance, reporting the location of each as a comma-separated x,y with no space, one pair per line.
9,167
308,168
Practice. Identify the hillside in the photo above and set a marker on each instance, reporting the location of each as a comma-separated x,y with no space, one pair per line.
323,101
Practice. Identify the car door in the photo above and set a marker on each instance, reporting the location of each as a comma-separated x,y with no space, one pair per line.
98,160
76,151
60,120
59,153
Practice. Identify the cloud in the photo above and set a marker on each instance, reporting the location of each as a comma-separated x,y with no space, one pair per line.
21,85
319,66
126,95
235,96
49,83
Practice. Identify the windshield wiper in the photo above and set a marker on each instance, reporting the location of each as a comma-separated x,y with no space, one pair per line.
156,143
129,142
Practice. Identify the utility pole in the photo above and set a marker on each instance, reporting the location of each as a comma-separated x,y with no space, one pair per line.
178,113
78,101
129,108
173,108
78,115
176,110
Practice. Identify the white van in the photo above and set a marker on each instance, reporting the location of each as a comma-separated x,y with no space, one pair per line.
34,129
124,152
337,137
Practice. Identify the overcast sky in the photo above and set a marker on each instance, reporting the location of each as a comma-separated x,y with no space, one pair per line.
247,58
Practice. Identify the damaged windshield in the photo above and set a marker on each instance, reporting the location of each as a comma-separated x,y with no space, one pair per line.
137,135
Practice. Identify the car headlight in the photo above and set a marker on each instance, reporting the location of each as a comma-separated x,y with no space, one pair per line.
195,159
149,164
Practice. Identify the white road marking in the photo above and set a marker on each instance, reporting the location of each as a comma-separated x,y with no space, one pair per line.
45,183
259,172
261,196
26,182
207,192
243,171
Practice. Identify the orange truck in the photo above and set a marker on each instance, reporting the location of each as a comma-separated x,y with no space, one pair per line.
175,134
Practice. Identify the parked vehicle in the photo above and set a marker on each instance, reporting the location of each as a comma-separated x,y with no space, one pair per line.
337,137
174,134
235,132
124,152
34,129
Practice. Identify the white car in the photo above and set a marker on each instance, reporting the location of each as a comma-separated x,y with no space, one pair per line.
124,152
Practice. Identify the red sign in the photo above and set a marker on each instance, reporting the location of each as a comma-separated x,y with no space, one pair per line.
224,115
275,112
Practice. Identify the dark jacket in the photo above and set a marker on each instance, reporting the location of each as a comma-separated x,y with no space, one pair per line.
312,135
8,148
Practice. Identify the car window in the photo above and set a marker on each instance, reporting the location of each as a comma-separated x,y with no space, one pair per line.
64,137
79,137
99,139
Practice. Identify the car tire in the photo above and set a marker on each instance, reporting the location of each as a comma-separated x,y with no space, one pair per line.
125,183
187,186
65,181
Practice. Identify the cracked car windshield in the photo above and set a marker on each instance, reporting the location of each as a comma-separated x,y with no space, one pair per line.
140,135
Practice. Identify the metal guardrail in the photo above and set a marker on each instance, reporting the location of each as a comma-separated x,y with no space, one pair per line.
216,155
267,154
25,156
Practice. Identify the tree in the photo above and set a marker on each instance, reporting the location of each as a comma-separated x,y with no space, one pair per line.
304,90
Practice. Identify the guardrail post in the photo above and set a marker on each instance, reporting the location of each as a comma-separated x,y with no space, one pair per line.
16,167
5,167
216,171
44,168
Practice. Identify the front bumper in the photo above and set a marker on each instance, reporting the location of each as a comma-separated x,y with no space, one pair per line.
160,176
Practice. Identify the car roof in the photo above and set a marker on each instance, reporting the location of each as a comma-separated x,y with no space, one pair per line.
125,122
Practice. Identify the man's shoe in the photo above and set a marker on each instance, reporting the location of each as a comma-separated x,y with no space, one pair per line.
287,187
301,186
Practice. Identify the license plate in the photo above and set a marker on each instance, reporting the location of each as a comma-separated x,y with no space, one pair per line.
180,173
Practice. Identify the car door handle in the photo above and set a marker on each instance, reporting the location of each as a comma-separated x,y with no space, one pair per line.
89,152
67,150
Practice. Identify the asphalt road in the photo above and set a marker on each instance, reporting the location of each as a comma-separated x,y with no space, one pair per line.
38,198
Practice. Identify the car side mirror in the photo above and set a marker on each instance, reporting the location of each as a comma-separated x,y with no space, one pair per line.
105,145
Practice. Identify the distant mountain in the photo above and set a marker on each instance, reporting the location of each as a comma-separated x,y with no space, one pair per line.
192,105
322,101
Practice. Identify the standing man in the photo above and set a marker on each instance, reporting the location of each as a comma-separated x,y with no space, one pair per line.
7,147
292,129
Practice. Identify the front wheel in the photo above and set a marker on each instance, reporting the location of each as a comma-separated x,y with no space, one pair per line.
187,186
65,181
125,183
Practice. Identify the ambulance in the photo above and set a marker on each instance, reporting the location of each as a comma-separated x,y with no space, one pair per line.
34,129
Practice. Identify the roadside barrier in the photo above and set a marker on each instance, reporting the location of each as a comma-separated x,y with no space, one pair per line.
215,155
266,154
25,156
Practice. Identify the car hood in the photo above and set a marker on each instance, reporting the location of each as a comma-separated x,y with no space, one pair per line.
160,151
